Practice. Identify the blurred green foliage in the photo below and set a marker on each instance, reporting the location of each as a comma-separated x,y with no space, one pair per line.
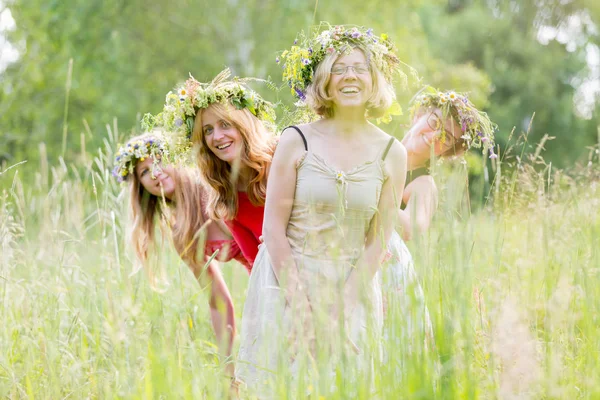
128,54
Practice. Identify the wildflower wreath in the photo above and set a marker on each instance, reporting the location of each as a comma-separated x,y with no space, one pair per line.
183,103
301,60
476,127
136,150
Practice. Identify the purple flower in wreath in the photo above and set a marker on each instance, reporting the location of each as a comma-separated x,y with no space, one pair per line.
310,50
370,32
277,60
356,34
305,61
492,154
300,94
464,126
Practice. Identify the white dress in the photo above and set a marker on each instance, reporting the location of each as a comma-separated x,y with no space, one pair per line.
408,325
328,225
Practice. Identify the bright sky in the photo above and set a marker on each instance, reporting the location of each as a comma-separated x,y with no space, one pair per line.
571,33
8,53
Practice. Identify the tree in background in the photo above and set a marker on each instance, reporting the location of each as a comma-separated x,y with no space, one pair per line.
128,54
502,39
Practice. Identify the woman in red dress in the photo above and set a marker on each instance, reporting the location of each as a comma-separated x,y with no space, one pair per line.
228,127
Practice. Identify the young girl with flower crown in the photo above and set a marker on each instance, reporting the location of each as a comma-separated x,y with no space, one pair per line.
175,197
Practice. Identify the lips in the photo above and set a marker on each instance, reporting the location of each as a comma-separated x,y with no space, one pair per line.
162,182
349,90
224,146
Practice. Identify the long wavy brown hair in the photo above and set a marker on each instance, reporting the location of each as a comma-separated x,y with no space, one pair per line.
182,216
219,176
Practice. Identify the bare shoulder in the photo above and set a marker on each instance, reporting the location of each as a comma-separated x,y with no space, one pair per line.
395,161
380,136
397,151
290,146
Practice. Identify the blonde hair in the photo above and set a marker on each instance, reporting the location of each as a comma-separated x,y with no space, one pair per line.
321,102
259,146
182,215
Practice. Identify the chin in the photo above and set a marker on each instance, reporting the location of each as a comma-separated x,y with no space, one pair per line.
230,158
226,158
352,103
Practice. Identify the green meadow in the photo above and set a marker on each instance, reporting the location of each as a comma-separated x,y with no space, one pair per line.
513,288
510,267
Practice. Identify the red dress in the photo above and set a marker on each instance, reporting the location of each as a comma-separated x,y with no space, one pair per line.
228,250
246,227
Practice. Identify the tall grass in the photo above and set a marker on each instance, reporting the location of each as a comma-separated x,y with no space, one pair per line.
513,291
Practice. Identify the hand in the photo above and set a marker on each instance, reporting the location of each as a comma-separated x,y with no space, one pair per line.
234,388
301,322
426,132
230,369
350,301
418,140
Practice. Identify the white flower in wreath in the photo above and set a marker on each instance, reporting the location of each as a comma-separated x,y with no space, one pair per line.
183,94
380,48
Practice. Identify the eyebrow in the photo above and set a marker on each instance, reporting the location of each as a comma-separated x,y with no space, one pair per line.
354,63
219,121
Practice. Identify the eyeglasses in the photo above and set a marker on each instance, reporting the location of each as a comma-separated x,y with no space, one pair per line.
435,124
358,69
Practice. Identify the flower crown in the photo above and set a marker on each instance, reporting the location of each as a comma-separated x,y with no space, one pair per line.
183,103
302,59
476,127
136,149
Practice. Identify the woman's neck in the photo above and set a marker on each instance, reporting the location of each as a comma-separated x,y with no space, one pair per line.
348,122
242,175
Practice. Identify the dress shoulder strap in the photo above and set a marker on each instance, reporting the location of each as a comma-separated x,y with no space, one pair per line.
301,135
387,148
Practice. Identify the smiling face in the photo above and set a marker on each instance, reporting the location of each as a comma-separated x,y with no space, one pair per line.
156,179
426,131
221,136
350,83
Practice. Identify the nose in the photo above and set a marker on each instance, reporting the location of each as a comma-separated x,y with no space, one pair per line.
217,133
157,172
349,73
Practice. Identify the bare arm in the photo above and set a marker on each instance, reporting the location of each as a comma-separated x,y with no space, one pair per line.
421,199
222,312
278,207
